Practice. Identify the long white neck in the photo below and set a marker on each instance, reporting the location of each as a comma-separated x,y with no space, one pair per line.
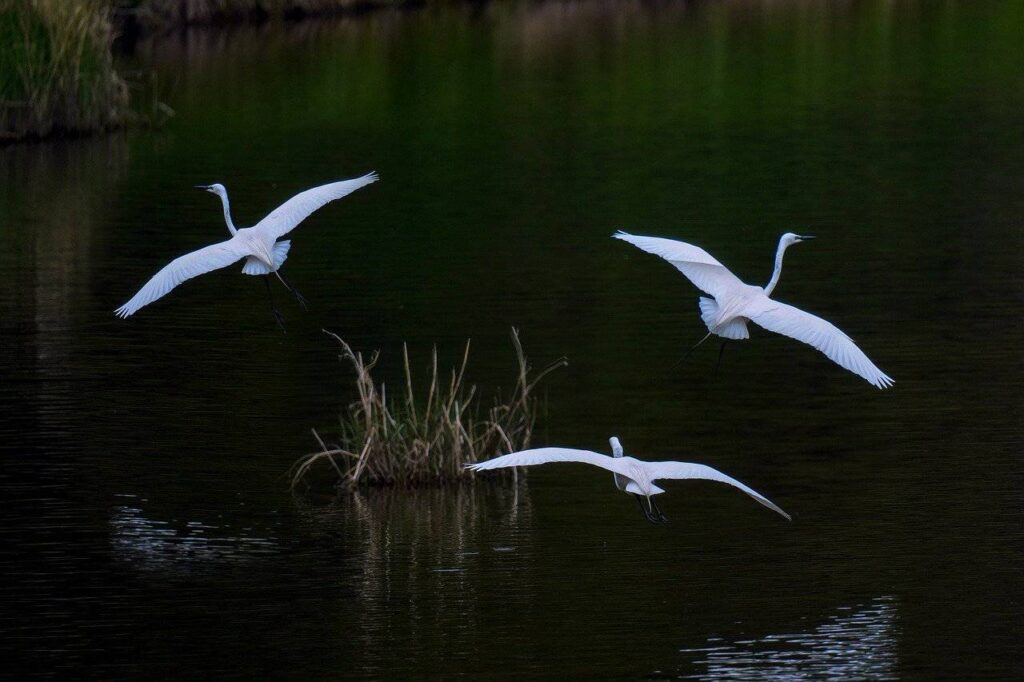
783,245
227,212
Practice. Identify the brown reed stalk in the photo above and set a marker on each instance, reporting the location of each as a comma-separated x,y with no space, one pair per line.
389,441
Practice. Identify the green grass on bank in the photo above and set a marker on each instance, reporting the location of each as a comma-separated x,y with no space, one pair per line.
56,69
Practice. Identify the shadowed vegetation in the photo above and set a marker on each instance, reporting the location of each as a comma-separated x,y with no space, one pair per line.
166,14
404,441
56,69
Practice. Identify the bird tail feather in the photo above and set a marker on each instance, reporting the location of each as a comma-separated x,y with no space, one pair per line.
736,329
708,311
254,266
632,487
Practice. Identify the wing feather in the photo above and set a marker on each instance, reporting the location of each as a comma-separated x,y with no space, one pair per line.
689,470
547,455
823,335
699,266
183,268
288,215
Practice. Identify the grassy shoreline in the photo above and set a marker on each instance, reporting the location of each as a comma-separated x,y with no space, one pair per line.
57,70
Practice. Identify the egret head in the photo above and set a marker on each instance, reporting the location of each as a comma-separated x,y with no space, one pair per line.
789,238
215,188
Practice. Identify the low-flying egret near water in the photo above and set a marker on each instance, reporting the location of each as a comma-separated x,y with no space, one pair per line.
258,245
634,476
734,303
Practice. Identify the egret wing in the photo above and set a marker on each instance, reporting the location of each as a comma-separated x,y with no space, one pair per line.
186,267
546,455
678,470
699,266
823,335
288,215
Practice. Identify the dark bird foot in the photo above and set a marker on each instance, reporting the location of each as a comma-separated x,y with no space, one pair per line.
295,292
656,514
301,299
279,318
652,513
721,351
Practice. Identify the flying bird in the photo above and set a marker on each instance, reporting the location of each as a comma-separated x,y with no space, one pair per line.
634,476
258,245
733,304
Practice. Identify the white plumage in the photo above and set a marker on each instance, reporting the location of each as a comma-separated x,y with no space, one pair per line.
631,475
258,244
735,303
254,266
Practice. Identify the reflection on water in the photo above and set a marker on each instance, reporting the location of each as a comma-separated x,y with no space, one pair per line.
180,546
75,182
411,539
856,643
416,562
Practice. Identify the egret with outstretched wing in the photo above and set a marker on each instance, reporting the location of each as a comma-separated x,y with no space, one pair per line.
258,245
733,304
634,476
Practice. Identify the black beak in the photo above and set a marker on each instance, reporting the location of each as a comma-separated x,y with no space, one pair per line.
806,237
202,187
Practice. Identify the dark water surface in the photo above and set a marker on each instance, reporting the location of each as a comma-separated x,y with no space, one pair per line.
148,529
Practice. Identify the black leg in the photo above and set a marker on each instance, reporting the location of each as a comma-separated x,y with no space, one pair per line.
640,501
647,514
656,513
692,348
295,292
273,309
721,350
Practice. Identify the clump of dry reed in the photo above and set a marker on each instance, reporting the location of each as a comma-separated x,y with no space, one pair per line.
402,440
56,68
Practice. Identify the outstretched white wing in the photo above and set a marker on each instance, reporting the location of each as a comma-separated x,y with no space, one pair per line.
545,455
823,335
190,265
288,215
697,264
661,470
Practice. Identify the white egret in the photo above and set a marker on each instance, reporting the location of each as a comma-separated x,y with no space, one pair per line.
734,303
258,245
634,476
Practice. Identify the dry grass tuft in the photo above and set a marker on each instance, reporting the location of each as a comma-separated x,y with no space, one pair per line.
408,442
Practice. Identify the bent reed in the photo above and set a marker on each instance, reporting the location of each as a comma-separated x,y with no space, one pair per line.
403,441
